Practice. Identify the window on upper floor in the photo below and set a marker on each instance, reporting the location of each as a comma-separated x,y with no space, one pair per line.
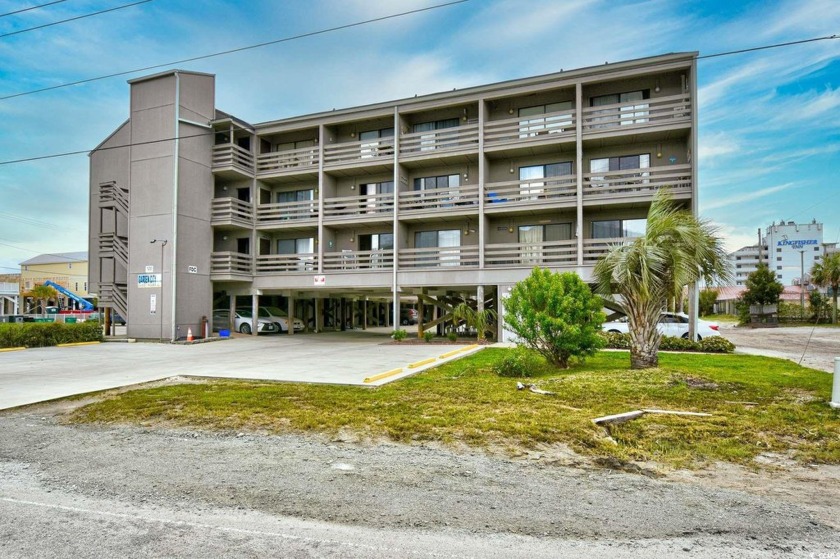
778,250
530,187
632,110
618,228
374,196
778,259
620,165
543,119
432,138
446,239
376,142
816,249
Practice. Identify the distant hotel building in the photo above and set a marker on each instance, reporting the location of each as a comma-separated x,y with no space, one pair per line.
339,216
785,247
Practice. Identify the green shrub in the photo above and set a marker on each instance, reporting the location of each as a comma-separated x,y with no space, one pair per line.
428,336
616,340
672,343
716,344
34,334
399,334
452,336
518,362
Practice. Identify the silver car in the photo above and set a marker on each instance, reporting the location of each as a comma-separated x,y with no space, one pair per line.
242,322
279,316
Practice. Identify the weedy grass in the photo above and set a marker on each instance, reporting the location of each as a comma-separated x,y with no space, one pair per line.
758,405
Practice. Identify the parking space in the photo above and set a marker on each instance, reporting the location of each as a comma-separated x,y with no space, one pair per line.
37,375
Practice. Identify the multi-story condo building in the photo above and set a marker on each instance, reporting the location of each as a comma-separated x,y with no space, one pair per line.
339,214
787,248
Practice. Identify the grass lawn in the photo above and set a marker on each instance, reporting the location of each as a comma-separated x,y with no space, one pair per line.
466,402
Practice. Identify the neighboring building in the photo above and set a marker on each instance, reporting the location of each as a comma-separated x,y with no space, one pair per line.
787,248
67,269
339,214
9,293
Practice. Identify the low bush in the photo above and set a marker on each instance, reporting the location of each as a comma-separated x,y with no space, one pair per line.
714,344
399,334
35,334
428,336
521,362
452,336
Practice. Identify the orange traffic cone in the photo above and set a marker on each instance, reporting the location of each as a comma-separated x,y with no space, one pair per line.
189,335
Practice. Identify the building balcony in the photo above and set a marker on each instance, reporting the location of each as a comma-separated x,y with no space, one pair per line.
287,162
458,139
287,263
298,213
648,113
230,266
232,161
594,249
231,212
637,183
362,152
461,199
528,255
367,207
358,260
499,197
522,131
439,257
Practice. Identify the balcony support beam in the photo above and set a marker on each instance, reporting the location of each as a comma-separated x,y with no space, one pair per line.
579,169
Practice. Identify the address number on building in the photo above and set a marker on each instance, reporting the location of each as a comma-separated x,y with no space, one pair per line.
192,269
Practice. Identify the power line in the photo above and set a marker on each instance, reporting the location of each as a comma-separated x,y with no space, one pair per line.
773,46
19,31
239,49
79,152
31,8
33,221
61,256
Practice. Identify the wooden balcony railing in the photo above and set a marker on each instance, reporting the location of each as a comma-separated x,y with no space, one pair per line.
528,255
647,112
277,263
288,161
365,205
231,155
530,192
231,210
439,257
594,249
283,212
229,263
347,260
637,182
460,198
457,138
537,128
365,150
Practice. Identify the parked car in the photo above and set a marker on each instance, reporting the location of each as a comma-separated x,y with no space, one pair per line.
670,324
279,317
408,316
242,322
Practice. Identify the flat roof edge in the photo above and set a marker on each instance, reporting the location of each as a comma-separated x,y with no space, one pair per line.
168,73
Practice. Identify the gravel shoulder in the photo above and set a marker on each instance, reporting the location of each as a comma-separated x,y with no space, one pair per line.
428,498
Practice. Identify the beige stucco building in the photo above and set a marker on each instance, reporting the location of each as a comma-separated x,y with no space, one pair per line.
336,214
66,269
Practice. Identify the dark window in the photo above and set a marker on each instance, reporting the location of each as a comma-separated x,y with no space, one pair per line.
618,228
243,245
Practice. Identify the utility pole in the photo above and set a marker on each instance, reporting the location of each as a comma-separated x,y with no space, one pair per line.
801,284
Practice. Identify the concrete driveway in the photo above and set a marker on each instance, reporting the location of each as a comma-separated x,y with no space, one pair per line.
36,375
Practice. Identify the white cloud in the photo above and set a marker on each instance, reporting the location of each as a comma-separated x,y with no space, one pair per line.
746,196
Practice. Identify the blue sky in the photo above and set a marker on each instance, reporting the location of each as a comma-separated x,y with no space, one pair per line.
769,121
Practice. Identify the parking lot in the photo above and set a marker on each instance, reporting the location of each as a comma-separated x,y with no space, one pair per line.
35,375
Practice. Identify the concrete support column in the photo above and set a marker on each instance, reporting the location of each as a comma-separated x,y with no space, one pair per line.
255,313
291,312
387,317
479,293
232,313
364,313
693,306
420,319
319,315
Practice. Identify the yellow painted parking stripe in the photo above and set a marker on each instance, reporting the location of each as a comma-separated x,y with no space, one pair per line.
381,376
457,351
74,344
11,349
421,363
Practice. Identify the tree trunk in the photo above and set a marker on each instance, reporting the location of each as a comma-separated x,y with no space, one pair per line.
644,344
834,308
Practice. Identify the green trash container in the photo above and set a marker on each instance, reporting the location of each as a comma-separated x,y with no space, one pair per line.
70,320
43,319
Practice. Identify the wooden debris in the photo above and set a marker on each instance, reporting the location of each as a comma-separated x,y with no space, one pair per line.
627,416
533,388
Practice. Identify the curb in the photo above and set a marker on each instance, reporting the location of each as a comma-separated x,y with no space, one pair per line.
5,349
74,344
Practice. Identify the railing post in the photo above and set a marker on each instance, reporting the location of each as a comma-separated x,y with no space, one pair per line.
835,392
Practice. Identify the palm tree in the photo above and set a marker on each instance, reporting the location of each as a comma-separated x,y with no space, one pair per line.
43,293
480,320
827,274
676,250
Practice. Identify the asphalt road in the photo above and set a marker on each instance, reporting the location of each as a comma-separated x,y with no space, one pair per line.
69,491
815,347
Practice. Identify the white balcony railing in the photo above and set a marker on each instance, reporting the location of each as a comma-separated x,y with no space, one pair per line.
279,263
456,138
528,192
637,182
365,205
347,260
228,263
362,151
439,257
538,128
463,198
231,155
671,109
287,161
528,255
283,212
231,210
